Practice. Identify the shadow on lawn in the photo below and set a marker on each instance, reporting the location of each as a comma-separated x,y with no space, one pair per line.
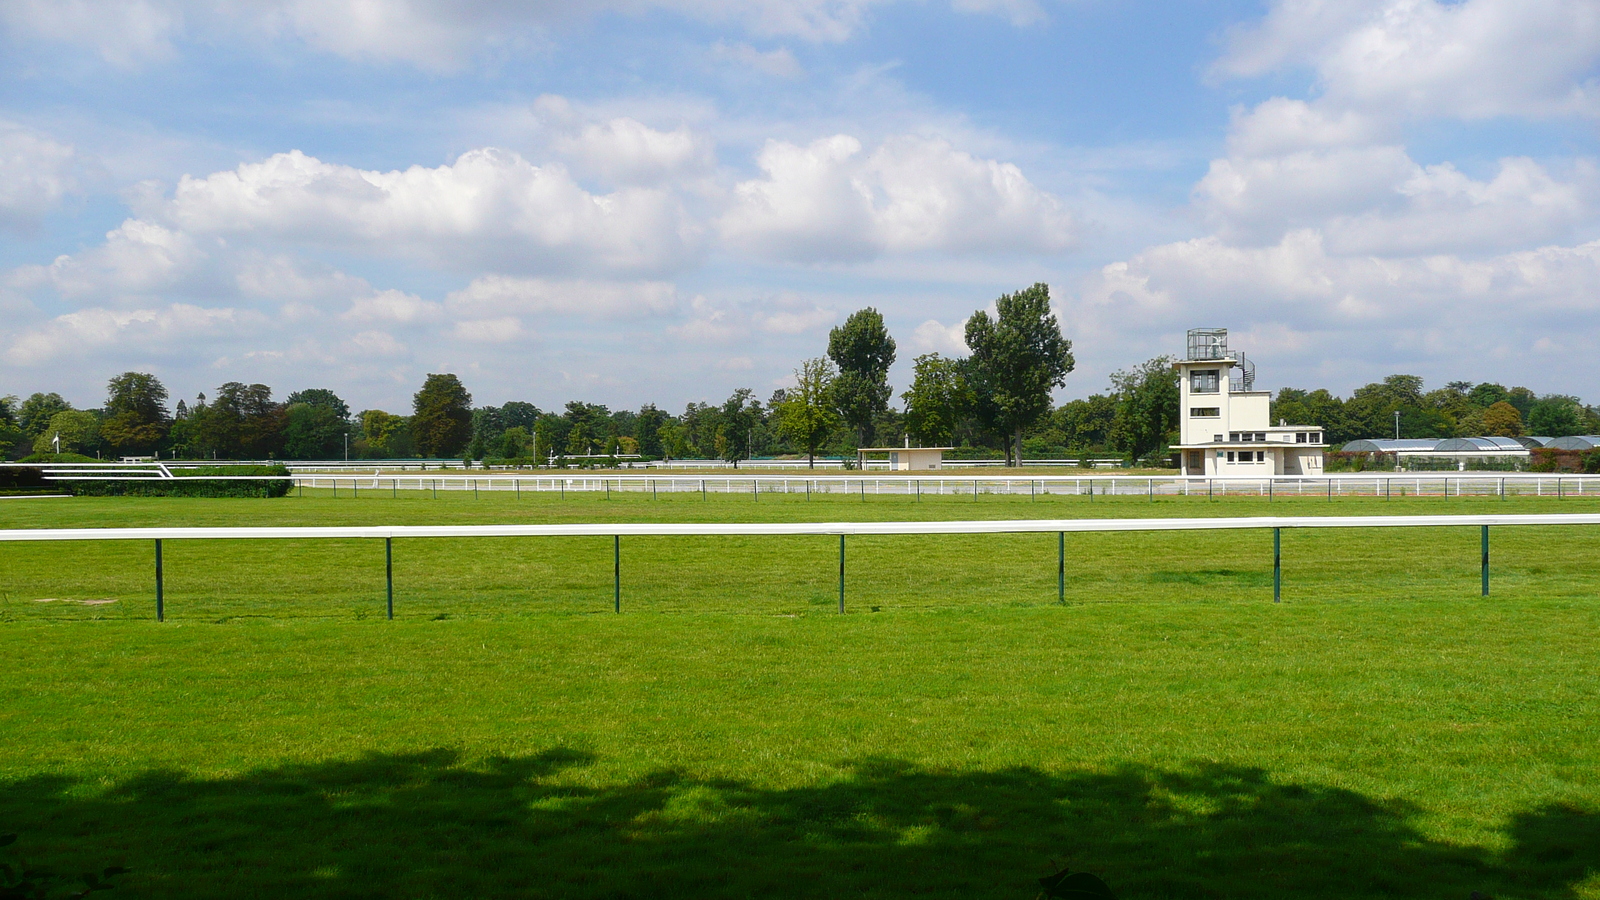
427,825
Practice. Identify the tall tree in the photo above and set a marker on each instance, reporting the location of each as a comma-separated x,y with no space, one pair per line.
738,418
1147,407
1501,419
386,435
78,430
648,431
1556,415
1017,359
863,351
135,413
806,414
37,411
937,400
441,423
322,398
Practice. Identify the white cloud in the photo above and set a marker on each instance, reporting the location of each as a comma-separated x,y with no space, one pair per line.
626,151
1020,12
779,63
393,306
934,336
35,173
139,259
490,207
437,35
87,333
796,321
492,294
830,201
490,331
1472,59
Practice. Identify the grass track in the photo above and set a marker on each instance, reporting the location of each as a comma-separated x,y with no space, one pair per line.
1384,732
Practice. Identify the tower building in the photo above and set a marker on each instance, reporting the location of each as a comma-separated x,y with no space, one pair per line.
1225,425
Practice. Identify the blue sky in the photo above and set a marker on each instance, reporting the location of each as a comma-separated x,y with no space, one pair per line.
632,201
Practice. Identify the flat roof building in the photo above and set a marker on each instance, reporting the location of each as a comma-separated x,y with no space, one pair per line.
1225,425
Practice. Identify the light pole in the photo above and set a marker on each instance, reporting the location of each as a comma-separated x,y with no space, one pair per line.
347,446
1397,424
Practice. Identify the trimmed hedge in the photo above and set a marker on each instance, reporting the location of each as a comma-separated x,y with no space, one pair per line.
175,487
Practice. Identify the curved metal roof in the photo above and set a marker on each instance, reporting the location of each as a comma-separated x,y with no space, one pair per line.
1391,446
1530,441
1576,442
1488,444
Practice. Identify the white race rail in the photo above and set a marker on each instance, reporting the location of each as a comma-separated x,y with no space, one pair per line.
616,531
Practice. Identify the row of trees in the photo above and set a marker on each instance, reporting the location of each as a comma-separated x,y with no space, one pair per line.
997,398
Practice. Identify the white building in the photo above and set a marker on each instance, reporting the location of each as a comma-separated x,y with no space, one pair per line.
1225,425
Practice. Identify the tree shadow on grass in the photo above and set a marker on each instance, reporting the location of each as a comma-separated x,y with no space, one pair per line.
431,825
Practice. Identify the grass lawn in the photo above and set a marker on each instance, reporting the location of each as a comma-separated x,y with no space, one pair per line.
1383,732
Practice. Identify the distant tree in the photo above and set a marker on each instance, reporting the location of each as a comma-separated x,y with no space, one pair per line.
321,398
513,443
1017,360
79,431
135,413
1086,424
1555,415
519,414
1487,394
441,423
387,436
37,411
589,427
733,433
1523,399
1147,408
806,415
1501,419
12,438
487,427
313,431
863,351
648,431
938,399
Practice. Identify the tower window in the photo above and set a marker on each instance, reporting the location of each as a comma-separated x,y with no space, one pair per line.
1204,381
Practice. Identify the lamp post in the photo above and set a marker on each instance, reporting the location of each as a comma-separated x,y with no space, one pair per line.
347,446
1397,424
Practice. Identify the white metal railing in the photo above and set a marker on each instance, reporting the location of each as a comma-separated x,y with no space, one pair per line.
1327,486
616,531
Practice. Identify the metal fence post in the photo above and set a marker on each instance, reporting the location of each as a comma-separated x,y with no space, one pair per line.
1277,565
1485,542
1061,567
616,573
161,610
388,572
841,573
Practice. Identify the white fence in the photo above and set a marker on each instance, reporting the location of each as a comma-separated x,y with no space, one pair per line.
1327,487
616,531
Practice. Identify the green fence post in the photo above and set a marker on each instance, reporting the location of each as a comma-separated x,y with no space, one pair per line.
161,611
1485,542
1277,565
841,573
388,573
1061,567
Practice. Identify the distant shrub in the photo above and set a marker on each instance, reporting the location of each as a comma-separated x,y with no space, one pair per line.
1548,460
176,486
1591,462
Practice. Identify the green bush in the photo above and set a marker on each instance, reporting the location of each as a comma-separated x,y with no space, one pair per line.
176,486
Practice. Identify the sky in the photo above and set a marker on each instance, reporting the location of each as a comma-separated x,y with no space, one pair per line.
660,201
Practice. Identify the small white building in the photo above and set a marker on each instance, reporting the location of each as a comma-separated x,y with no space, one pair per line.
1225,425
907,458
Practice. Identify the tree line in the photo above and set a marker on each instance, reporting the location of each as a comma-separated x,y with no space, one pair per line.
994,402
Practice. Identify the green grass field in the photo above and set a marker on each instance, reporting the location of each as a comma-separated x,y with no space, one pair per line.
1384,731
